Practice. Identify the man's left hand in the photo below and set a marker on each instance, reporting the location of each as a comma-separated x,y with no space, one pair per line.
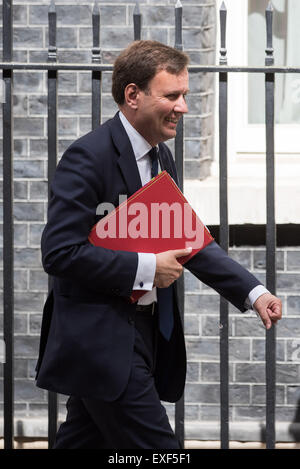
269,308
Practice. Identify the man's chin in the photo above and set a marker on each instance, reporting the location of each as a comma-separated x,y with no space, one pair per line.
169,134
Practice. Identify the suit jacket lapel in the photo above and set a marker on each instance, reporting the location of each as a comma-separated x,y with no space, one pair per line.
127,162
164,161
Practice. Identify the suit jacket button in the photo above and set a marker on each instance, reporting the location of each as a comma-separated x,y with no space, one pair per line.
131,320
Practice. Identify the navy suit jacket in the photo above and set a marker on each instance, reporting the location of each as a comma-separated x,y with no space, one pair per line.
88,331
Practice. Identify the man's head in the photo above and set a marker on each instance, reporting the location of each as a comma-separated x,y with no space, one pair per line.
150,81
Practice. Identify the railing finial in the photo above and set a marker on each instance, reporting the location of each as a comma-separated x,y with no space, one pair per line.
52,50
96,7
137,21
178,26
223,50
96,51
136,10
269,59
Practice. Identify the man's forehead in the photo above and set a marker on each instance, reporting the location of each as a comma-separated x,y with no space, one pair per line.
172,81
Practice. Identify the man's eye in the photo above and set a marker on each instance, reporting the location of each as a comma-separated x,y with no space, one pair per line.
175,96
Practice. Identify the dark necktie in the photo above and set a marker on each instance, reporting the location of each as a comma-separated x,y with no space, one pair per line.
164,295
154,161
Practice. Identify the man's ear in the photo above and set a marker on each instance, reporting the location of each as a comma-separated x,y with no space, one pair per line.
131,95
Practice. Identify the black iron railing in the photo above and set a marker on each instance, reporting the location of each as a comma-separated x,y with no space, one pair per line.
97,68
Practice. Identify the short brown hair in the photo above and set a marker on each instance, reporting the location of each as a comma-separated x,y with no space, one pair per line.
140,62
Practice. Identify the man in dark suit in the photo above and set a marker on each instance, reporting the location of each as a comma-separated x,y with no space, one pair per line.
117,360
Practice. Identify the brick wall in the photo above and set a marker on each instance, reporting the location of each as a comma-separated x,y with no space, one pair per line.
30,186
74,41
246,349
247,389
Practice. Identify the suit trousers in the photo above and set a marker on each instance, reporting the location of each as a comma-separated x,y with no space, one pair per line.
137,419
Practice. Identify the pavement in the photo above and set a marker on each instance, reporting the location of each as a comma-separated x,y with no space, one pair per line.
27,443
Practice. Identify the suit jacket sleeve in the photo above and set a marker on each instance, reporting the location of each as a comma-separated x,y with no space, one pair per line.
216,269
66,252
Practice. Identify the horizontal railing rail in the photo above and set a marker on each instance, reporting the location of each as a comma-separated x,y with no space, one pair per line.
109,68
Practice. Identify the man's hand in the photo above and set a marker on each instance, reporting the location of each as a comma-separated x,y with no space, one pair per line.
168,269
269,308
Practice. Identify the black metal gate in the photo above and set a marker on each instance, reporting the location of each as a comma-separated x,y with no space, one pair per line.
97,68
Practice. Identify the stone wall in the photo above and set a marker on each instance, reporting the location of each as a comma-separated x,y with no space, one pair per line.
74,41
246,351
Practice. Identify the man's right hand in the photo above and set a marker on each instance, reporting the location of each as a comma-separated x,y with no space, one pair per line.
168,269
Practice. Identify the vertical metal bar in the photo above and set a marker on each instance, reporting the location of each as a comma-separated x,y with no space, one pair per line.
52,161
96,75
179,161
137,22
8,229
270,235
178,26
179,139
224,233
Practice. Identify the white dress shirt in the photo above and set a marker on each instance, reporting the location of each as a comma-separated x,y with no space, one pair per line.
147,261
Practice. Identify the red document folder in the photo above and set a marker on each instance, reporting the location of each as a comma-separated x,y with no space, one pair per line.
154,219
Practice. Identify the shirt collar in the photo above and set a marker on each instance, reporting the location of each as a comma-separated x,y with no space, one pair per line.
140,146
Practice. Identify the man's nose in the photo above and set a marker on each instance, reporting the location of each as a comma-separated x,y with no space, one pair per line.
181,105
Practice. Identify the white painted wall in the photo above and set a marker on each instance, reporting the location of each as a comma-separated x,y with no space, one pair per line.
246,147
